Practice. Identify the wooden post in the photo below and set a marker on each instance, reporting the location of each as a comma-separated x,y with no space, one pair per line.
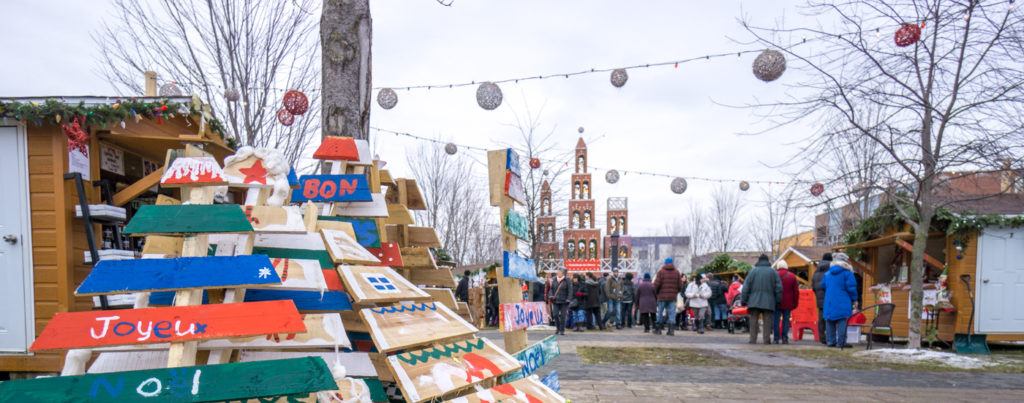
150,83
509,289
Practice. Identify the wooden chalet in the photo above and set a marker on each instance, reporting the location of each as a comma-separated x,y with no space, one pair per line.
993,260
803,261
45,248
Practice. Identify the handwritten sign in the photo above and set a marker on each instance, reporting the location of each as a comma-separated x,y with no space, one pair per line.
534,357
514,187
157,325
319,188
519,267
135,275
551,381
517,225
521,315
186,384
432,372
193,171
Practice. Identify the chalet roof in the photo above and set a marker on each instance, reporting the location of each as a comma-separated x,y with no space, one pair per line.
812,253
581,144
1003,204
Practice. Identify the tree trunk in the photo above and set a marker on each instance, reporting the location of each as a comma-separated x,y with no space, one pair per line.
345,33
917,269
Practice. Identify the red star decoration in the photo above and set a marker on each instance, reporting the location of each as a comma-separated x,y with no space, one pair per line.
254,174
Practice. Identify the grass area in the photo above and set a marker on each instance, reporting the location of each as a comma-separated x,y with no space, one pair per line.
683,357
1010,363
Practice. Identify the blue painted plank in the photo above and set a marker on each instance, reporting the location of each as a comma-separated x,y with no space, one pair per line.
293,179
512,162
339,188
134,275
551,381
519,267
304,300
367,233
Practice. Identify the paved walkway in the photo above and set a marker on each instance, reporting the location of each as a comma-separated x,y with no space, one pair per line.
768,379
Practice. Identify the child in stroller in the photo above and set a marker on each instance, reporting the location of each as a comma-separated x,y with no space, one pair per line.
738,317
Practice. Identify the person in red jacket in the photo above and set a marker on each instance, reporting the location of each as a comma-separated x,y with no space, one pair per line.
789,302
667,283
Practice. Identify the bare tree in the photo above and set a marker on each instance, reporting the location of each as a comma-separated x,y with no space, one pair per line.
257,48
776,219
724,220
694,223
457,204
948,102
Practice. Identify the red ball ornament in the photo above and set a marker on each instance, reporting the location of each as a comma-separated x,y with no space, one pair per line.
534,163
907,35
286,118
817,189
295,102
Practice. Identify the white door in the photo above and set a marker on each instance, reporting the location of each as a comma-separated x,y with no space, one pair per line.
16,324
1000,289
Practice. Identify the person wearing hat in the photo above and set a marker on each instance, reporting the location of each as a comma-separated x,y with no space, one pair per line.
628,296
790,300
840,296
667,284
462,290
762,291
819,293
646,301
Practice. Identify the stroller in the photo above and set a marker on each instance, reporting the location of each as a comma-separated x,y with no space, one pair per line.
738,317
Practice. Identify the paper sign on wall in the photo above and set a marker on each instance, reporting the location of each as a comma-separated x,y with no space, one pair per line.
78,161
112,160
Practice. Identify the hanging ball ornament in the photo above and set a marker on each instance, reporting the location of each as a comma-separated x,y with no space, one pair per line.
387,98
231,94
286,118
817,189
744,186
295,102
611,176
451,148
619,77
488,96
769,65
170,90
534,163
580,130
678,185
906,35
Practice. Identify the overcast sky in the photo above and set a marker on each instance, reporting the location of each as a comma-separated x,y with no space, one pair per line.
666,119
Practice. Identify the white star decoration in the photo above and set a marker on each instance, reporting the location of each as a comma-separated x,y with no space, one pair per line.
264,272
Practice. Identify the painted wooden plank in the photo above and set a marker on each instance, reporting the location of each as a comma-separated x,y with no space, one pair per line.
377,284
423,237
376,208
253,171
336,148
193,171
297,274
514,188
441,277
418,258
433,372
333,280
284,219
305,301
346,250
534,357
186,384
399,214
321,256
403,326
928,258
155,325
497,161
336,188
135,275
323,330
523,390
517,225
521,315
293,179
413,195
349,390
188,219
305,241
366,230
361,341
444,296
512,162
519,267
389,254
162,245
356,364
551,381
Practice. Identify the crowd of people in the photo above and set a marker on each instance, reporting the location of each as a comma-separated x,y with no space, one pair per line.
671,301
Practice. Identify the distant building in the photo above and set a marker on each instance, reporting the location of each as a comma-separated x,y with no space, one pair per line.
650,253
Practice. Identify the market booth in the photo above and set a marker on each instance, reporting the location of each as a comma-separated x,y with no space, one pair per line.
992,258
115,143
803,261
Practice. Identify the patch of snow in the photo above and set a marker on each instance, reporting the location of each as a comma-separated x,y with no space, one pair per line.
910,356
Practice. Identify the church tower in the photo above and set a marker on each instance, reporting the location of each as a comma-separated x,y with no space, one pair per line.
581,237
547,244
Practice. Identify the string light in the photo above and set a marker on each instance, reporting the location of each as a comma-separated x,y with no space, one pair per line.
595,168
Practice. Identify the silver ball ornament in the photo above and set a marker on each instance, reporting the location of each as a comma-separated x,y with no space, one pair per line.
231,94
451,148
619,77
611,176
387,98
488,96
769,65
170,90
678,185
744,186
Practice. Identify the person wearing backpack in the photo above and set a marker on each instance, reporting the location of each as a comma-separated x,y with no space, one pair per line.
628,293
790,300
719,305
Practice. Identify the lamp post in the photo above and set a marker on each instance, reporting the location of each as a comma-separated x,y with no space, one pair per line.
615,249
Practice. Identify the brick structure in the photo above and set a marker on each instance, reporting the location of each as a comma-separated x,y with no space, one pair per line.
581,237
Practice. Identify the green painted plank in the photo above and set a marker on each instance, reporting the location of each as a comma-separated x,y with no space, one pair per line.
186,384
281,253
188,219
517,225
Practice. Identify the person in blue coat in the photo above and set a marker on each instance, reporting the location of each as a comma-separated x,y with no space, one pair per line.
840,288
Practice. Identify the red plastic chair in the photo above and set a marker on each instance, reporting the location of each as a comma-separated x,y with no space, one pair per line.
805,316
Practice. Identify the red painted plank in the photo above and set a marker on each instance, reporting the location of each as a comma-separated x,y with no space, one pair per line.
159,325
389,254
333,280
337,148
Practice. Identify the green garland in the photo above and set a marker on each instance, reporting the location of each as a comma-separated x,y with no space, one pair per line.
724,263
57,112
